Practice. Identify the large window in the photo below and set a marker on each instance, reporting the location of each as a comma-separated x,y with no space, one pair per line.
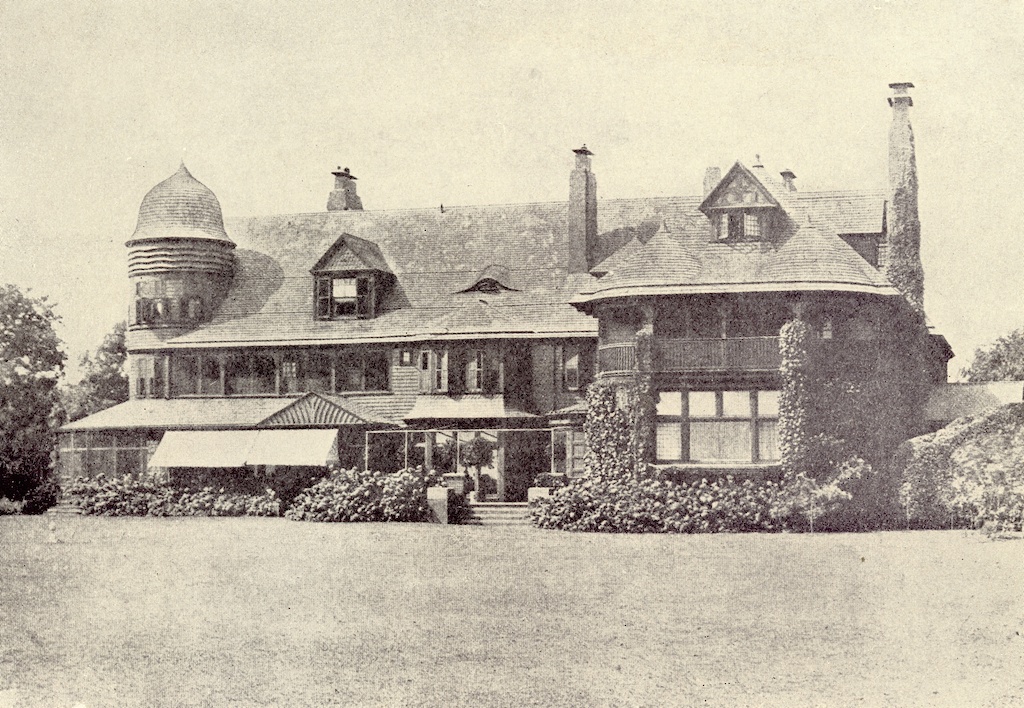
362,370
717,426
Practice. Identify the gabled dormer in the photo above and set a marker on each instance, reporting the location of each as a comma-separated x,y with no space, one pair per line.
350,280
741,207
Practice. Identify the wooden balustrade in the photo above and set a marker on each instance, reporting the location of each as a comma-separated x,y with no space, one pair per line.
615,358
737,353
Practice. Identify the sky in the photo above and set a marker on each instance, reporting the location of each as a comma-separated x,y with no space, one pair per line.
480,102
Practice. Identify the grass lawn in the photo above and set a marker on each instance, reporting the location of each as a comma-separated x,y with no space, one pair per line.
273,612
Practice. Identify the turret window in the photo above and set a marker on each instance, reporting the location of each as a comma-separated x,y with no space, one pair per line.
739,226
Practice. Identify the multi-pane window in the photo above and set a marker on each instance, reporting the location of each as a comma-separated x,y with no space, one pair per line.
362,370
717,426
341,297
433,366
739,226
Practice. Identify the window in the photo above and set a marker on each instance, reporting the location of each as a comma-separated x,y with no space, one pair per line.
149,377
185,375
826,328
717,426
433,366
362,370
739,226
341,297
475,371
571,368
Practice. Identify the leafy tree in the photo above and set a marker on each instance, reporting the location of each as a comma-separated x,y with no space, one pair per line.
1003,360
31,362
104,383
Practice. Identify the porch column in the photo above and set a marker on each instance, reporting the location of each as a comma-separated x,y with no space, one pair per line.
499,464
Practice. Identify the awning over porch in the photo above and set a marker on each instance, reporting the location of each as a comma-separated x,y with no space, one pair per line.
203,448
238,448
303,447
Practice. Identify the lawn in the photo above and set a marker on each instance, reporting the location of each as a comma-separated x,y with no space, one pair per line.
271,612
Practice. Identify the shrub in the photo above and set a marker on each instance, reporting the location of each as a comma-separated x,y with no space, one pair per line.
551,480
970,473
8,507
42,497
359,495
132,496
649,504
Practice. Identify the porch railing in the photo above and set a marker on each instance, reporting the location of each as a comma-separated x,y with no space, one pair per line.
735,353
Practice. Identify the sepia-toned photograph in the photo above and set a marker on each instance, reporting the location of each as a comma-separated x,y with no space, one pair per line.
511,354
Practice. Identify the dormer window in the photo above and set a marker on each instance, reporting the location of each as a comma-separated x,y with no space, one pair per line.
350,279
344,297
740,226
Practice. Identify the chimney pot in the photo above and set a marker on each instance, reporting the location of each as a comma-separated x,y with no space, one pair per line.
901,94
787,179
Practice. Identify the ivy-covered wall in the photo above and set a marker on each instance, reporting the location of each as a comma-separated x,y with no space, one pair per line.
842,406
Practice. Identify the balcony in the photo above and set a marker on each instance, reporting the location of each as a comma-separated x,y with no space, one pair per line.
677,355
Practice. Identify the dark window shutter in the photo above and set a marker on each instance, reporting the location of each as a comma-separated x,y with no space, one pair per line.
492,372
457,361
364,301
323,298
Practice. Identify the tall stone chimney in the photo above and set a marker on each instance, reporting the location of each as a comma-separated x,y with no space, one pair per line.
344,198
903,262
582,217
712,176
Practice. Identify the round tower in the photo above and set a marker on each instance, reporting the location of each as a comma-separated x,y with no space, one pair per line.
180,259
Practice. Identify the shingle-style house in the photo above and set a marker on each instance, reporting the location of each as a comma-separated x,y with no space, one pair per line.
364,337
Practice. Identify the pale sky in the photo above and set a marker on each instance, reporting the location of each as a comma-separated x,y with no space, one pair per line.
481,102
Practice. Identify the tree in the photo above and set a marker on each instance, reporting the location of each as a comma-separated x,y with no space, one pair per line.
104,383
31,362
1003,360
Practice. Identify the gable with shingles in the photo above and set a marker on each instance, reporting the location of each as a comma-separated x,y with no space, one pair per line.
316,411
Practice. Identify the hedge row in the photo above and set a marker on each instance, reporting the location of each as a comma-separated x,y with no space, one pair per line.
591,503
346,495
131,496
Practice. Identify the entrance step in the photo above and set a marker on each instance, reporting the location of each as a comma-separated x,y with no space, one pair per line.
64,508
499,514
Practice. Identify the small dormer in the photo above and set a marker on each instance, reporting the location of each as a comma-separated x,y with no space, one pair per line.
350,280
741,208
492,280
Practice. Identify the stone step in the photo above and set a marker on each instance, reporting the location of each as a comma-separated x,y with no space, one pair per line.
64,509
499,514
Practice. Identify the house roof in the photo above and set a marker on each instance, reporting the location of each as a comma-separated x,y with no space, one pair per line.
686,260
436,255
180,207
309,410
949,401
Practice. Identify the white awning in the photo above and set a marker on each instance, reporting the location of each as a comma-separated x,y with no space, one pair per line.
303,447
203,448
309,447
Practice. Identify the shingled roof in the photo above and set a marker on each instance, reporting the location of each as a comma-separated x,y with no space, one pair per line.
436,255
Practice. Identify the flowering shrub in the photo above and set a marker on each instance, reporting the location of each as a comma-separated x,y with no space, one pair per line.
131,496
550,480
366,495
969,473
653,505
8,507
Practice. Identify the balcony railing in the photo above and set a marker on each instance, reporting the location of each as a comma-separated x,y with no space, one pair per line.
733,354
615,358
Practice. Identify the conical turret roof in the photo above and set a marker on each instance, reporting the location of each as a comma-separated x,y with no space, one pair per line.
180,207
661,261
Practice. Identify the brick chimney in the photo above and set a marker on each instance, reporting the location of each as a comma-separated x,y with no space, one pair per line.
582,216
903,260
344,198
712,176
